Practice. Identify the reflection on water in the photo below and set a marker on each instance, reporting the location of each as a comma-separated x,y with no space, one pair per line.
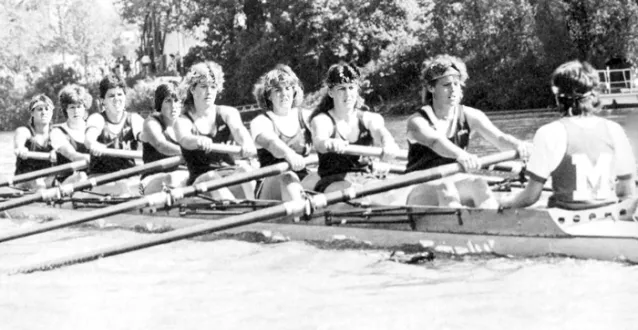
240,285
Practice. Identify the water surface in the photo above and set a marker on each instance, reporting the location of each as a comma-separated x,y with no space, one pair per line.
229,284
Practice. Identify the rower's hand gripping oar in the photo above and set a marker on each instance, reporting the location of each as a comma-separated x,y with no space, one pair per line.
56,193
159,199
65,168
60,169
292,208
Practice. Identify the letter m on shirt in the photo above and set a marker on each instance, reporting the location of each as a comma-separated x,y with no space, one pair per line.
593,181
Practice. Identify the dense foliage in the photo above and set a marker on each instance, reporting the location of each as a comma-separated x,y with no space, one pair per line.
510,46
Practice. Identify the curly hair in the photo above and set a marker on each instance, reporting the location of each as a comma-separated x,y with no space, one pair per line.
73,94
281,76
340,73
111,81
203,72
438,67
574,83
164,91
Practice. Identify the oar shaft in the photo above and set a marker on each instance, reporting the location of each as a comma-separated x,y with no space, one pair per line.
37,155
158,199
20,201
286,209
366,151
119,153
70,167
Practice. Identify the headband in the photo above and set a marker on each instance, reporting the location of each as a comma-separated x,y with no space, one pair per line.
37,104
451,71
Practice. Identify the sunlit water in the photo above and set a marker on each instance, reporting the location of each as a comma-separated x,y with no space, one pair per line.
228,284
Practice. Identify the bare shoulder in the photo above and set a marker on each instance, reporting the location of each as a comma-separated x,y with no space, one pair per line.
226,110
321,119
473,113
416,121
23,130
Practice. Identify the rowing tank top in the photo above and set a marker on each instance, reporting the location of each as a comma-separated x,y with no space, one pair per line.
421,157
332,163
298,142
126,139
30,165
585,175
149,153
198,161
77,145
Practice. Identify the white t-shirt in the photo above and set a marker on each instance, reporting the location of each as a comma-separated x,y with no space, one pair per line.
550,145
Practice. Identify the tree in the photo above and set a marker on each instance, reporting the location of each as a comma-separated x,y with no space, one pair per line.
156,18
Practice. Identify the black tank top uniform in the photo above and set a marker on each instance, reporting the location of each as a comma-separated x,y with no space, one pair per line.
77,145
199,161
125,140
150,154
421,157
298,142
334,167
30,165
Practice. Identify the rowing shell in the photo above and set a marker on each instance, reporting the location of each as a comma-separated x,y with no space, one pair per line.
606,233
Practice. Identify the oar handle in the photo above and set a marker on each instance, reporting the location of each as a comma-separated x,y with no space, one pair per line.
366,151
37,155
119,153
221,148
509,166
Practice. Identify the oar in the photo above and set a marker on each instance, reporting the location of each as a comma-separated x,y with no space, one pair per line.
56,193
510,167
159,199
37,155
366,151
70,167
60,169
292,208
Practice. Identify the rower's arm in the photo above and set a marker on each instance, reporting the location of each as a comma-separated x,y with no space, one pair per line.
375,123
94,126
322,128
184,135
420,131
265,137
240,133
530,195
21,136
61,144
153,134
380,134
137,125
480,123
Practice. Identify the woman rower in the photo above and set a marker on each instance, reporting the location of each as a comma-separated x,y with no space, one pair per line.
281,133
439,133
339,121
67,139
204,124
35,137
159,141
114,128
589,158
